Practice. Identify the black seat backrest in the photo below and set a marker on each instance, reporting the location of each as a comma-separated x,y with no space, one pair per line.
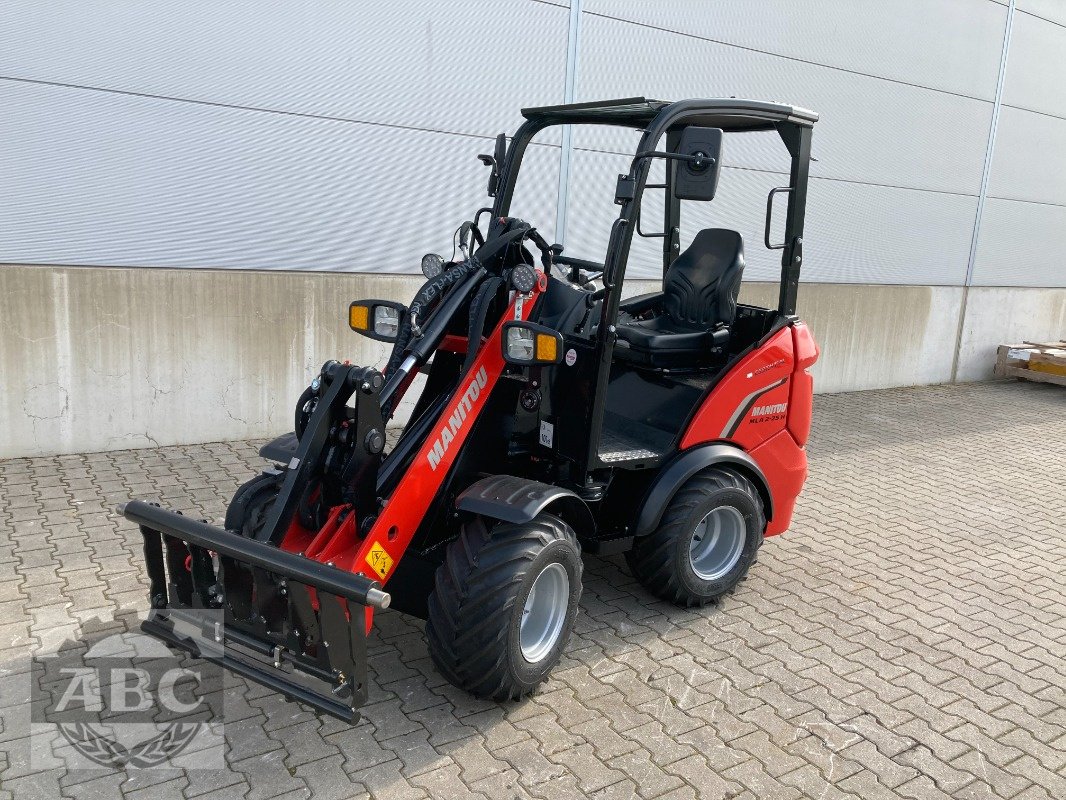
702,284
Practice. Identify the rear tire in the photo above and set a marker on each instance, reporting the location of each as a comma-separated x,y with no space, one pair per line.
707,539
503,605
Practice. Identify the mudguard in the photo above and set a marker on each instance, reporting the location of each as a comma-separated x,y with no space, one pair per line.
512,499
674,474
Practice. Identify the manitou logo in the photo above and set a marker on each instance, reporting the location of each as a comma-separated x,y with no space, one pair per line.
455,422
762,411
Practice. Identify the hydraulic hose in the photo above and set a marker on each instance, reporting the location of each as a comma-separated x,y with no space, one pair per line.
419,351
434,288
416,430
430,292
479,309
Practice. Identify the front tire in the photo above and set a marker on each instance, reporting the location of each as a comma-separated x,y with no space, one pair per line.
503,605
707,539
248,510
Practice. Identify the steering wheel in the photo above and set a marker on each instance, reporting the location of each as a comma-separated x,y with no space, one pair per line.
582,273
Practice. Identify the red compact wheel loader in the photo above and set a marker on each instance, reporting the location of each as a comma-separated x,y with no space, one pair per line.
555,418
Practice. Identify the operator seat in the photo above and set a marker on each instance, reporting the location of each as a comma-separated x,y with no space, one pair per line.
688,322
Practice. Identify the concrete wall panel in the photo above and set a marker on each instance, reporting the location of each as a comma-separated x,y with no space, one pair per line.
105,359
874,337
1005,315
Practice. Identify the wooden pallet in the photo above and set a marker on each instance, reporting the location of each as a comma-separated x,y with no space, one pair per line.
1044,362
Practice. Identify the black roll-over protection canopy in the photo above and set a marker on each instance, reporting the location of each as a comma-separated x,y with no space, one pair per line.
729,114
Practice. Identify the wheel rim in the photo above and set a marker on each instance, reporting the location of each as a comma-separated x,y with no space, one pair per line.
717,543
544,613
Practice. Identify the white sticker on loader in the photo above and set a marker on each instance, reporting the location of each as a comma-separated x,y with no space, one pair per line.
547,434
571,357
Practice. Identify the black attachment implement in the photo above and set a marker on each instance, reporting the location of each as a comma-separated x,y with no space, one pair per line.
285,615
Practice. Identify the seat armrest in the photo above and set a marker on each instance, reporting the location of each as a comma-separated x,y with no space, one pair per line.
642,303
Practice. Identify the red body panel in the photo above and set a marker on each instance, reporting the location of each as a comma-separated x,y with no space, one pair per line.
764,407
758,383
801,403
784,463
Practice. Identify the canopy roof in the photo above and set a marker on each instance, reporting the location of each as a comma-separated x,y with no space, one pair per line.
728,113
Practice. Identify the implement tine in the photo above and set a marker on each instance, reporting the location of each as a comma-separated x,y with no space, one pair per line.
153,560
180,577
280,609
300,597
203,576
336,631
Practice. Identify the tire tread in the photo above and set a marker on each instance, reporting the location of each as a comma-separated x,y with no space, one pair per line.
653,558
473,596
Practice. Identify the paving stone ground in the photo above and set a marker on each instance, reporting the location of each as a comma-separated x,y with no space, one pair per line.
905,639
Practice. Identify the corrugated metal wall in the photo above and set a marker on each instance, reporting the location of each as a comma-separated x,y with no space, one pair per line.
342,136
1023,229
330,135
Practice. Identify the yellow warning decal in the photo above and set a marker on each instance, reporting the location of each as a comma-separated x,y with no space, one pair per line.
379,560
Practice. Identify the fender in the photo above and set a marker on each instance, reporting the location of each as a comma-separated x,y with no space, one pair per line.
671,477
512,499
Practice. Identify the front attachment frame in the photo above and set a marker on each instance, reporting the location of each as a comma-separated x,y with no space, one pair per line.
291,623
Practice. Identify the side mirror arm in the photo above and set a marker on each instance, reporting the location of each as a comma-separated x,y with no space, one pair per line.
699,160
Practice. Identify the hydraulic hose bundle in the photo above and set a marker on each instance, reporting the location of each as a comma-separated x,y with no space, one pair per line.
463,276
479,309
420,343
427,296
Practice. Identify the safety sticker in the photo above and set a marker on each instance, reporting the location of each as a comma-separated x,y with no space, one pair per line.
547,433
379,561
